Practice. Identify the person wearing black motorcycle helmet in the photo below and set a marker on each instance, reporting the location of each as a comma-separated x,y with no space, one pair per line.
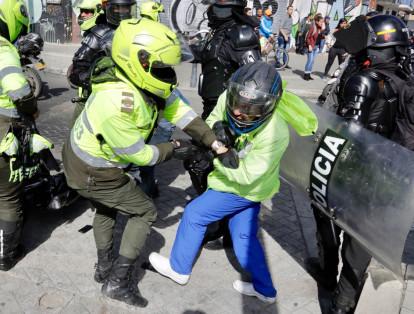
118,10
372,97
232,42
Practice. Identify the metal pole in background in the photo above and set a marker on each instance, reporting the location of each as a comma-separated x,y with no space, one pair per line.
193,80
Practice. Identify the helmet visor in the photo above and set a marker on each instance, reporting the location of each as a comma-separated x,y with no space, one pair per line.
119,12
249,105
22,16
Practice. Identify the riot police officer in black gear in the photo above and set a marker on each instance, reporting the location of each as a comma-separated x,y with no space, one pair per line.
96,43
371,97
231,43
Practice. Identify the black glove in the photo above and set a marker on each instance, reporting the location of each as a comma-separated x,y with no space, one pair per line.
224,134
184,149
229,159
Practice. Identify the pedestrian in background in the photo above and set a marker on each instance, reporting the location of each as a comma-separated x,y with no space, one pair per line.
265,31
259,13
301,34
284,31
324,34
337,50
312,44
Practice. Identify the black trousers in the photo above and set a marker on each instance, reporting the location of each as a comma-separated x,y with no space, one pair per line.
208,106
333,53
354,258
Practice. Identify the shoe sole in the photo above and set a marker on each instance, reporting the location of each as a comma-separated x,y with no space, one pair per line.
257,295
166,275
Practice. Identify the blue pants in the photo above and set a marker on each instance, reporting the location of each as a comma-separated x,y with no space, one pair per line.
213,206
310,60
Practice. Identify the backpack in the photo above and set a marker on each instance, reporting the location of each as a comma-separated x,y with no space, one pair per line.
403,133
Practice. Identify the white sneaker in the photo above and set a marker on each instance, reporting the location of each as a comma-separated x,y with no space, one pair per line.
162,265
247,288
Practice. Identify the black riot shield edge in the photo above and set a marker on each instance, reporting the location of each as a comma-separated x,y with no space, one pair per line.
360,179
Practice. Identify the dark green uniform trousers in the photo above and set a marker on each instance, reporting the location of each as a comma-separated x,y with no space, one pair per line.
11,203
110,190
10,195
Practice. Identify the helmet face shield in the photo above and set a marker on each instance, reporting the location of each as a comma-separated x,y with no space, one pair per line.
248,106
115,13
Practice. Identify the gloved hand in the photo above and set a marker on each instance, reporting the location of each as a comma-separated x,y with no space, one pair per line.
30,171
183,149
224,134
16,170
230,159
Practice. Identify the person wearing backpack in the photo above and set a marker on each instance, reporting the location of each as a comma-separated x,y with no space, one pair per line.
379,96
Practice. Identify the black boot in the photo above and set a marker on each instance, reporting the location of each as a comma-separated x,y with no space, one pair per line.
104,265
306,76
342,304
322,277
10,251
119,285
340,309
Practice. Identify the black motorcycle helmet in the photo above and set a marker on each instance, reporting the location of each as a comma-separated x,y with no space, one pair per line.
253,93
118,10
30,44
222,11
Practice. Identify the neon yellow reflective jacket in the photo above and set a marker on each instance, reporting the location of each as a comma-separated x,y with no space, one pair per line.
117,120
260,151
13,84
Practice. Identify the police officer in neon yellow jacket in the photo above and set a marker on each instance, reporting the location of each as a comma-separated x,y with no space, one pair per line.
257,109
16,101
112,132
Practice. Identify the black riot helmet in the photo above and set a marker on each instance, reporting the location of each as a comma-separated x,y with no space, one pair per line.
378,31
221,11
118,10
253,93
386,31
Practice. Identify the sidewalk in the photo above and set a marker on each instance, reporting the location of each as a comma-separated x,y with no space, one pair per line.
56,276
288,233
59,57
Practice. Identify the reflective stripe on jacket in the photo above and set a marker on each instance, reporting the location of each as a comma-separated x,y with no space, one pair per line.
116,122
13,84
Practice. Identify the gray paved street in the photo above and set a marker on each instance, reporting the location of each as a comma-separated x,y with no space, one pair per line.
56,276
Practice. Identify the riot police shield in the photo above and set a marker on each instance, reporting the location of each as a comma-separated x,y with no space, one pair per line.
362,180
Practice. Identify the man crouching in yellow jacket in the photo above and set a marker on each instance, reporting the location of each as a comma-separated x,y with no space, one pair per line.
112,132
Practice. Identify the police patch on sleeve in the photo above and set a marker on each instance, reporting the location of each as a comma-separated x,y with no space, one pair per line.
328,152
